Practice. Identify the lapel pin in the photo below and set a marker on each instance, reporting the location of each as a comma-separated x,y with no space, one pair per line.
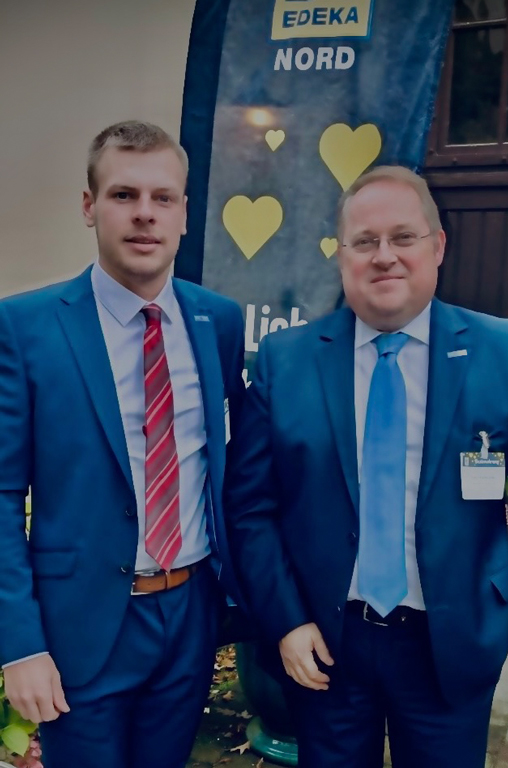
202,318
457,353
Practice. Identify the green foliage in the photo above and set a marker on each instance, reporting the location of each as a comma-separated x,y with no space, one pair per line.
14,730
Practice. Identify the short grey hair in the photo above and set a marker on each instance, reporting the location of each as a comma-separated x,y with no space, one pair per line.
131,135
395,173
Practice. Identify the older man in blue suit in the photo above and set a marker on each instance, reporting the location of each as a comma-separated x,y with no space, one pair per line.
115,392
366,500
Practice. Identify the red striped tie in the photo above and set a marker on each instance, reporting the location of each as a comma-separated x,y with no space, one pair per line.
163,537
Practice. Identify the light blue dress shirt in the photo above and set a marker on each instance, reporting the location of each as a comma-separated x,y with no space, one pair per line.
123,327
413,361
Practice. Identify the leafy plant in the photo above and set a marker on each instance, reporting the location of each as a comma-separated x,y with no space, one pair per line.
14,730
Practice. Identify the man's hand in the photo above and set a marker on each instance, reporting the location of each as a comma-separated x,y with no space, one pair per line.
296,650
33,687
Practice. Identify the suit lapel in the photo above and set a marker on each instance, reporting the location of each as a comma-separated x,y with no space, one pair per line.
448,333
80,322
198,320
335,357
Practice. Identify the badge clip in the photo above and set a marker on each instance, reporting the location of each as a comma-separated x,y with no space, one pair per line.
484,453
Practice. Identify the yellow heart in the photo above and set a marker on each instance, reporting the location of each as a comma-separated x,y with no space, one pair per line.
251,223
348,153
329,246
274,139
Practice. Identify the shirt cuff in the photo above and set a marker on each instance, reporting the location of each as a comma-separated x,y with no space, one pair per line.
25,658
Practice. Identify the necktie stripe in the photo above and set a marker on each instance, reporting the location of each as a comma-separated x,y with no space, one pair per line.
159,481
150,335
163,497
154,367
151,355
159,467
159,446
159,400
172,540
163,538
159,522
153,478
157,383
157,428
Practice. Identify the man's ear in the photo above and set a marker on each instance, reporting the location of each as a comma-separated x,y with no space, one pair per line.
184,224
88,208
440,246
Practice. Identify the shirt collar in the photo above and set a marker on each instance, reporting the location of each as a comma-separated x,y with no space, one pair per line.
123,304
418,328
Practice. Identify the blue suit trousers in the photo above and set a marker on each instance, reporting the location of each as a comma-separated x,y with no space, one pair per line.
144,706
385,679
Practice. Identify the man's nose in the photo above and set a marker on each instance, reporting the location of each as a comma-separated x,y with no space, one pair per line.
384,255
143,210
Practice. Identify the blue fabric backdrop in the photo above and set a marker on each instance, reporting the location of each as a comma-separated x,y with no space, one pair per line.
286,102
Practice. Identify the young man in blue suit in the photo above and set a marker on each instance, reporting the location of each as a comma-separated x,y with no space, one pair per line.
115,392
370,550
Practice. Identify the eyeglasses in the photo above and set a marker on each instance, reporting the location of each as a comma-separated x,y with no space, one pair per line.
398,242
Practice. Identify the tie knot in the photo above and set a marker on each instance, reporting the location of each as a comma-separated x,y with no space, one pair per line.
388,343
152,313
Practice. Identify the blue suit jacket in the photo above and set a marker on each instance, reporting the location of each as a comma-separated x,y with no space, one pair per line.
293,494
67,589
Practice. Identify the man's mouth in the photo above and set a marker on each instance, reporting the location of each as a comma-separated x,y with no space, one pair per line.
143,240
383,278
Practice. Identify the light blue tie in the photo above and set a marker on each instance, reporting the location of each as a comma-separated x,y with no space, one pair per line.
382,579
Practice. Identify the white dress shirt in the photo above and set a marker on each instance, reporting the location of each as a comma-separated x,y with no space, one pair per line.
123,326
413,362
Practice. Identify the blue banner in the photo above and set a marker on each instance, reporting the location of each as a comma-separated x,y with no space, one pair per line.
286,103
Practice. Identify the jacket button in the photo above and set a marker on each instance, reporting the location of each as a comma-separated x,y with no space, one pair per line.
130,512
352,537
126,568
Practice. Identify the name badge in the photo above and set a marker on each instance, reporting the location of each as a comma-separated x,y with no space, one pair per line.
482,476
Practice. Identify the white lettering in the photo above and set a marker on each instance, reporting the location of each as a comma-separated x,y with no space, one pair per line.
277,323
284,59
308,53
295,317
245,377
324,57
341,57
250,316
345,57
266,324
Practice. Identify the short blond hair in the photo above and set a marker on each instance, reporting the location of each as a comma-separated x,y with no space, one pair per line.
398,174
131,135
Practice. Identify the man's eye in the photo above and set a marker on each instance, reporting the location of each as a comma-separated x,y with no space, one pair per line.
164,198
122,195
364,242
404,238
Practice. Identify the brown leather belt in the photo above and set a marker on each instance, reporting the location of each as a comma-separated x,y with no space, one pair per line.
162,580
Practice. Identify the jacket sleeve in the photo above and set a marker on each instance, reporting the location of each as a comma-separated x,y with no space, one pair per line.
21,632
253,515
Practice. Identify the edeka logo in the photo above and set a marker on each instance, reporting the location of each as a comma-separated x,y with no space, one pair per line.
321,18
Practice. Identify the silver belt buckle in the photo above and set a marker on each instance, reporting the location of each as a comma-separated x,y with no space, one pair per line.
366,618
143,573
